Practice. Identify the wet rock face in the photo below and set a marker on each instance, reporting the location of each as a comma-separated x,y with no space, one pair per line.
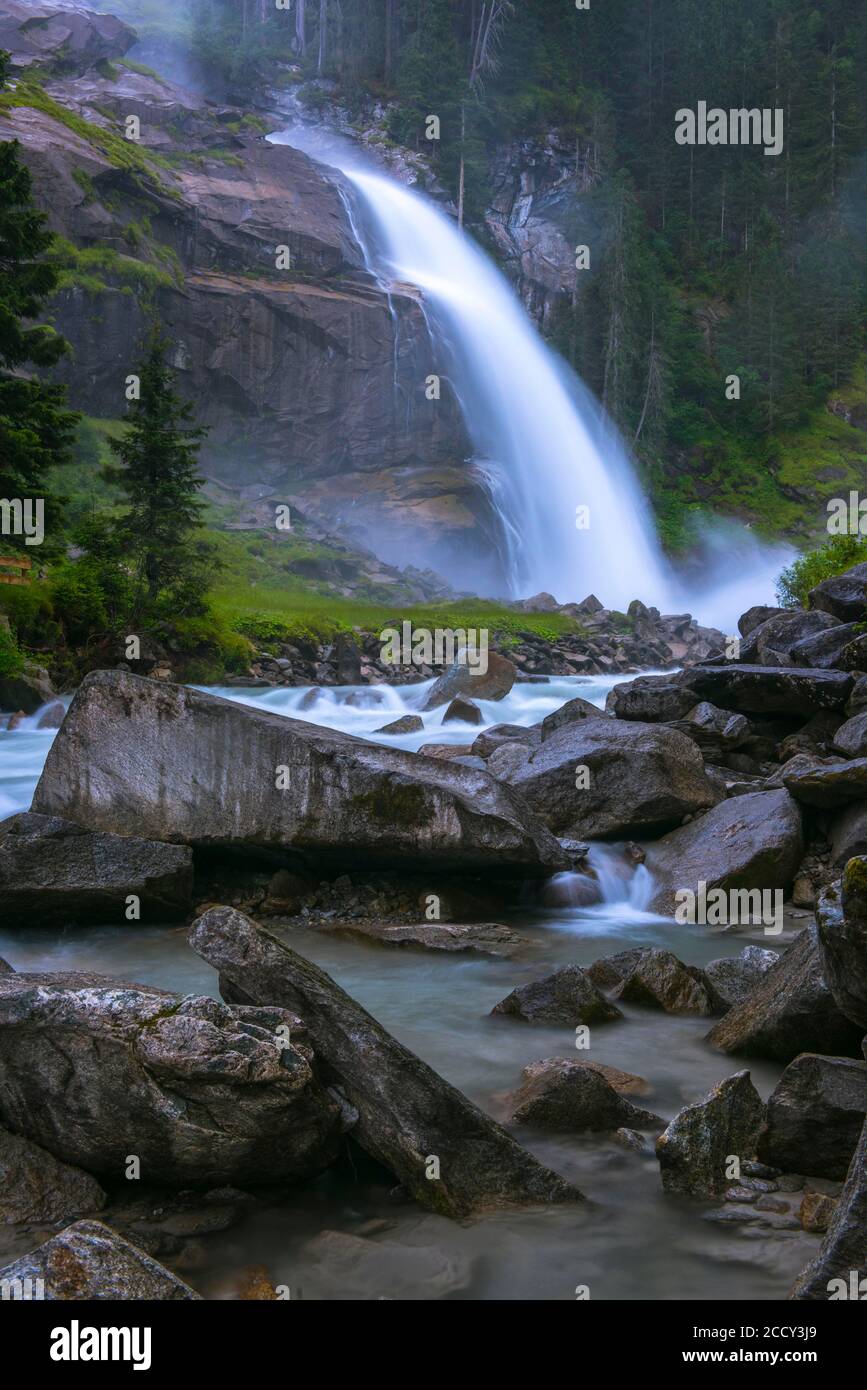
35,1188
815,1116
95,1070
54,871
695,1149
659,980
844,596
791,1010
90,1261
637,778
167,761
753,840
735,977
841,920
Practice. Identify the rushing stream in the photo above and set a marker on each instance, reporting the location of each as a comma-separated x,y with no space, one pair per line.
629,1241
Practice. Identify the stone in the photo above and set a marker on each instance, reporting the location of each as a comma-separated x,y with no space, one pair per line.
52,872
63,38
847,833
824,649
570,713
501,735
507,760
172,763
844,596
661,981
714,730
771,689
651,699
567,1097
36,1188
94,1069
462,711
568,997
609,971
841,922
844,1248
790,1011
754,841
405,1111
26,692
825,784
640,778
406,724
89,1261
757,615
340,1265
482,938
735,977
493,684
815,1115
52,716
777,635
626,1083
695,1150
816,1212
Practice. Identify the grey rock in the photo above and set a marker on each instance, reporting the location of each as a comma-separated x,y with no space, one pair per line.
171,763
483,938
843,1251
508,759
35,1188
745,843
462,711
406,1112
826,784
754,617
791,1010
52,871
568,996
735,977
844,596
501,735
841,920
771,689
847,833
695,1149
660,980
824,649
94,1069
90,1261
815,1116
651,699
407,724
494,684
565,1096
571,713
641,778
780,633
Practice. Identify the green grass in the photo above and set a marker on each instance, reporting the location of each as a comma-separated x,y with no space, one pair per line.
98,269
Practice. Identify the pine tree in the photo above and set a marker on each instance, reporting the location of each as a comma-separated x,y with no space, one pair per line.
159,478
36,429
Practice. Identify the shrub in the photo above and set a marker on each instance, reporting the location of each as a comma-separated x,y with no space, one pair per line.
836,556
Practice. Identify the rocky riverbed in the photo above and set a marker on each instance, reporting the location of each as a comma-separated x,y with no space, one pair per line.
422,1017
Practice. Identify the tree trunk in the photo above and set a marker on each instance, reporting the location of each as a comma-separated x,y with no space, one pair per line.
300,26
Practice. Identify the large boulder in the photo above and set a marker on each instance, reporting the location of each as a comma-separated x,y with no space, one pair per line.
29,690
716,731
651,699
571,713
460,679
640,778
842,1259
566,997
755,616
407,1114
482,938
825,783
815,1116
696,1149
847,833
772,641
94,1070
824,649
851,738
771,689
566,1096
90,1261
59,37
753,842
844,596
790,1011
841,921
735,977
661,981
170,763
36,1188
52,871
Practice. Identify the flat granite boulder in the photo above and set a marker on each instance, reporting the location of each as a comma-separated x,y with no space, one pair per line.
568,997
637,778
170,763
484,938
771,689
94,1069
753,841
661,981
52,871
91,1261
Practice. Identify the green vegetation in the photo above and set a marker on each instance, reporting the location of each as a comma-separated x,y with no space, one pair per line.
100,268
838,554
11,660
